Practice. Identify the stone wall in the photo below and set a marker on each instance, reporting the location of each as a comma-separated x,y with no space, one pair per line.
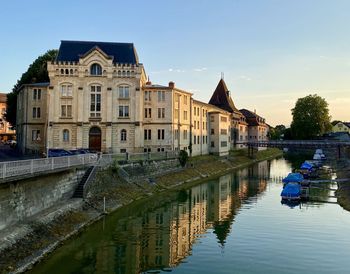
22,199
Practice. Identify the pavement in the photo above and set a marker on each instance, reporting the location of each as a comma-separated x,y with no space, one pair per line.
8,153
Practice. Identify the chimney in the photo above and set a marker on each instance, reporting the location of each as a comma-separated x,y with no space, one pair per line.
148,83
171,84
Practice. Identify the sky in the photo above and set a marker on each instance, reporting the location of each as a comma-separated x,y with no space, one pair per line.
271,52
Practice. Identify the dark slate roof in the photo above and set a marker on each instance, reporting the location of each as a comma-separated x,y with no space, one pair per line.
121,52
347,124
252,118
222,99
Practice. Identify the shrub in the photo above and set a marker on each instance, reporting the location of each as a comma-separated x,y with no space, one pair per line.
183,157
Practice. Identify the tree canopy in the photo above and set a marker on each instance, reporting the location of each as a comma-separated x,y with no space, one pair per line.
36,73
277,132
310,117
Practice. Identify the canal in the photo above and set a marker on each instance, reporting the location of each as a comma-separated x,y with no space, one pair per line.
233,224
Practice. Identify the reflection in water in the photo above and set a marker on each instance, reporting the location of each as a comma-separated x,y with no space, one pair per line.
162,237
161,234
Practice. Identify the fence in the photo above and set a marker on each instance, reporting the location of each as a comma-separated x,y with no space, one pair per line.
29,167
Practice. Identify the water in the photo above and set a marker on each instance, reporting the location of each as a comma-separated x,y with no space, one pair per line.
234,224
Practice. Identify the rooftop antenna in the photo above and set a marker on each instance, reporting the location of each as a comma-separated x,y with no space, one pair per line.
222,76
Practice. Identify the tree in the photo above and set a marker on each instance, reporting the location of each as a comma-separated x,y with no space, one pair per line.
310,117
36,73
277,132
183,157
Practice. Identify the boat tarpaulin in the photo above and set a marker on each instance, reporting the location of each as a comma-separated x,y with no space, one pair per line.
291,191
293,177
306,165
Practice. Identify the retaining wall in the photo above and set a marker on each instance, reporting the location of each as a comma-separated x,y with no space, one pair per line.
22,199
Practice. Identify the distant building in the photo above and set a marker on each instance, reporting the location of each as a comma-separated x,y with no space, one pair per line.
257,127
6,132
341,127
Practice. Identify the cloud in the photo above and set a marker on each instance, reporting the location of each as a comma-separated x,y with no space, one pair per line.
200,69
244,78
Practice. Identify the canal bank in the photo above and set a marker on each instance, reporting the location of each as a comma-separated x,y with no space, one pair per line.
44,237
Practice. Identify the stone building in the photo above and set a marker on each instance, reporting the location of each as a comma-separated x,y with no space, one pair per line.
99,98
239,126
6,133
257,127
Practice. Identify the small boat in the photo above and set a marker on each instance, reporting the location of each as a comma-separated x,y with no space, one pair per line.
291,191
293,178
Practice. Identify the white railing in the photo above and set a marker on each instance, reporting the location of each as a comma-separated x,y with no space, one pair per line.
27,167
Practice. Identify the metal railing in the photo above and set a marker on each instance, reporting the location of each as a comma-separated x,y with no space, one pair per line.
29,167
33,166
281,143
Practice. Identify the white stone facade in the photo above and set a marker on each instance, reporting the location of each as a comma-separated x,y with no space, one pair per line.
97,103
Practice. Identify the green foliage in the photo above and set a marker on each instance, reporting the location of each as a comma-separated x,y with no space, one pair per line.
277,132
183,157
36,73
310,117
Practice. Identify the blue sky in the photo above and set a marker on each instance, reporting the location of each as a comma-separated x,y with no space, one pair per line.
271,51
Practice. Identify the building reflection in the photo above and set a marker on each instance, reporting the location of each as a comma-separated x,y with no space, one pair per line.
163,238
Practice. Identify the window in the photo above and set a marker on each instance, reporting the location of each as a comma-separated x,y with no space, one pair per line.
66,90
124,92
148,113
122,150
194,139
223,131
160,149
147,95
124,111
161,113
147,134
198,139
212,132
37,94
176,134
223,119
185,114
203,139
194,125
161,95
36,135
212,144
203,126
161,134
36,112
185,100
123,135
176,114
185,134
95,69
223,143
95,105
66,110
212,119
194,111
65,135
147,150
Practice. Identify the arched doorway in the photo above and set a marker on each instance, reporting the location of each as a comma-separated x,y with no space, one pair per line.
95,139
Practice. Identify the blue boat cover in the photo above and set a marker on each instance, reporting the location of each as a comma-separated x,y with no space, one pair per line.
293,177
291,191
306,165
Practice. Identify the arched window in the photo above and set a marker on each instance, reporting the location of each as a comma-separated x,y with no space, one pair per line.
65,135
123,135
95,69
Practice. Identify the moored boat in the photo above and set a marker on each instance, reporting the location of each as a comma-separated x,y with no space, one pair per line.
291,191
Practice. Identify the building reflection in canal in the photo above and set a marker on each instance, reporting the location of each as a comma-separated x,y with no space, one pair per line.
163,238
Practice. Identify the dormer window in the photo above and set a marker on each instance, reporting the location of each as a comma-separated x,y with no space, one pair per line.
95,69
